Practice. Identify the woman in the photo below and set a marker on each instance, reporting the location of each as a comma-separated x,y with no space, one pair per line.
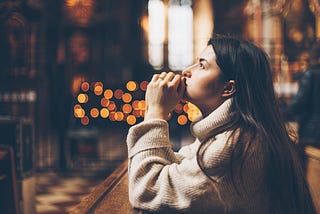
242,160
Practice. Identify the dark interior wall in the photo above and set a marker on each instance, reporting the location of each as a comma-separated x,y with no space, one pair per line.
229,17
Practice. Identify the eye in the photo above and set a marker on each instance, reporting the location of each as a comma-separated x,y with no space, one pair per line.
201,65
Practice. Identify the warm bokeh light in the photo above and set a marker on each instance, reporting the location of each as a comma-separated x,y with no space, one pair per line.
118,94
111,116
85,86
182,119
104,102
193,111
135,105
131,86
77,106
178,108
108,93
94,112
185,108
144,85
118,105
98,84
118,116
79,112
104,112
85,120
138,113
72,3
142,105
126,97
131,120
82,98
127,108
98,89
112,106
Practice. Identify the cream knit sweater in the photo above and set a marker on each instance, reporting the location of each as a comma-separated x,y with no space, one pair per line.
162,180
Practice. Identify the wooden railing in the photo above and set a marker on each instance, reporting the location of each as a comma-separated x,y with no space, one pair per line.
313,172
111,196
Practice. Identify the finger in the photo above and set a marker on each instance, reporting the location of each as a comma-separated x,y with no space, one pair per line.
170,76
163,75
176,80
155,77
182,86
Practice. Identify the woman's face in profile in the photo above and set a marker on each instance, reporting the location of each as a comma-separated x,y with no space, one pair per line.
203,85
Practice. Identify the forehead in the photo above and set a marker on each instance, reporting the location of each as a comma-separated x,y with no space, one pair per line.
208,53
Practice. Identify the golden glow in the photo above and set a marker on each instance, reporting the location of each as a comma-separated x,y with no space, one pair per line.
193,111
79,11
135,105
98,88
182,119
105,102
76,83
85,86
185,108
72,3
82,98
94,112
108,93
144,85
178,108
111,116
118,94
142,105
131,120
126,97
79,112
118,116
104,112
127,108
138,113
85,120
112,106
131,86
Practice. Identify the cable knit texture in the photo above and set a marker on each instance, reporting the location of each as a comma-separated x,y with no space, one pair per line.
162,180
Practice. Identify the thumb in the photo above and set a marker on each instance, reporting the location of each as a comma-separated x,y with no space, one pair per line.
181,87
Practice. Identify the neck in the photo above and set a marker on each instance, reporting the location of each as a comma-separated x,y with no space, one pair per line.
207,109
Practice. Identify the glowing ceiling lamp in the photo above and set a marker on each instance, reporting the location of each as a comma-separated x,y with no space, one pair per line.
180,34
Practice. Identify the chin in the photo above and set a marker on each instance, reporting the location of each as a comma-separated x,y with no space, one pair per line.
186,98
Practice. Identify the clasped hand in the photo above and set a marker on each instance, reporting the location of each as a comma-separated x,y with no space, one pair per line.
163,93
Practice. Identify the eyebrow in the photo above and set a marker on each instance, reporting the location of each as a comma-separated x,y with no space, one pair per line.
202,59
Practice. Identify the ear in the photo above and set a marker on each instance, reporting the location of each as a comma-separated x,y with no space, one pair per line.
229,88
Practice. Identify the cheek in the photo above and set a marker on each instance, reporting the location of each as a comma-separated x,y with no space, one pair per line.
203,89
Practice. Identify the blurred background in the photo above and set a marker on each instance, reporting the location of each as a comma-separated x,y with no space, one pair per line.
73,73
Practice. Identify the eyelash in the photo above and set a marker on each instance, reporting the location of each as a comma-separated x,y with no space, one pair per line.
201,65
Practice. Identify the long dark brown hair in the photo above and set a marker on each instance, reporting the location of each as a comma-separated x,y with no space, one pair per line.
256,114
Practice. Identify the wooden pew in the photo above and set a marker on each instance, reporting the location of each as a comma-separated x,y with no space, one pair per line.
313,172
111,196
8,183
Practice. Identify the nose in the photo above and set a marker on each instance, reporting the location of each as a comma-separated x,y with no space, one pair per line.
187,72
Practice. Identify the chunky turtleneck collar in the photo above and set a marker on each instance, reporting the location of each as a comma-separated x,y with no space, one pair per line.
202,127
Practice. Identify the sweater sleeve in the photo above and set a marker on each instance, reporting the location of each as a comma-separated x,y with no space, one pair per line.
158,179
